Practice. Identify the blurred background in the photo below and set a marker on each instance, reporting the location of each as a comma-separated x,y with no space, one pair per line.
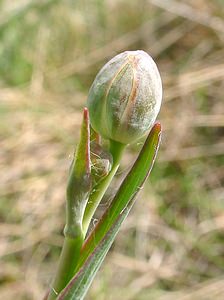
171,246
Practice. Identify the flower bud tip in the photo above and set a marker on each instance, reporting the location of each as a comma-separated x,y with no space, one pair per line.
125,97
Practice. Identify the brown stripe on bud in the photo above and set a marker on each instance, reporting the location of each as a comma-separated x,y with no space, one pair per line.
125,97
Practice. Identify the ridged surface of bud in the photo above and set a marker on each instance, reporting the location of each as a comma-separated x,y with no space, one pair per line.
125,97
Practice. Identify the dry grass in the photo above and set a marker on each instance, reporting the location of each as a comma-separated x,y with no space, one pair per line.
172,243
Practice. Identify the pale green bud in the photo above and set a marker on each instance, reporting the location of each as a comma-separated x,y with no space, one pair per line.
125,97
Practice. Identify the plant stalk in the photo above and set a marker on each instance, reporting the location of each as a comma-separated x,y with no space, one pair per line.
78,190
116,149
67,263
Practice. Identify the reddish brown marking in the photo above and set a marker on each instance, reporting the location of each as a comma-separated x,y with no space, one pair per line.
134,61
98,139
86,114
157,126
87,154
134,90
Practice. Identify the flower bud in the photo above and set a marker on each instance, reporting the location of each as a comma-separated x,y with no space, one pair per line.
125,97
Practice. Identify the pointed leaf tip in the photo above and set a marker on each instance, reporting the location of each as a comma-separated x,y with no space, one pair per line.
85,114
157,126
102,236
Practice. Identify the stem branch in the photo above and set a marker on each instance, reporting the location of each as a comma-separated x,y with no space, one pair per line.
116,149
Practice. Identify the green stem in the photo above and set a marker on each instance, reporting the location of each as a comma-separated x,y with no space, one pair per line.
116,149
74,233
124,198
78,189
68,260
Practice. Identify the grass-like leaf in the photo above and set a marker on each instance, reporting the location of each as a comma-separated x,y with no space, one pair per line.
78,190
103,235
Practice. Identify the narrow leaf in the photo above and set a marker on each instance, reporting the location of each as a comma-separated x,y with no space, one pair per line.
79,183
78,190
103,235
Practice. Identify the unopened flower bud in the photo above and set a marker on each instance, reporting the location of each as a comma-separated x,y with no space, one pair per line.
125,97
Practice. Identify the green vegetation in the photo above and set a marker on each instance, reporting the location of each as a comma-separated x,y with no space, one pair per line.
172,243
